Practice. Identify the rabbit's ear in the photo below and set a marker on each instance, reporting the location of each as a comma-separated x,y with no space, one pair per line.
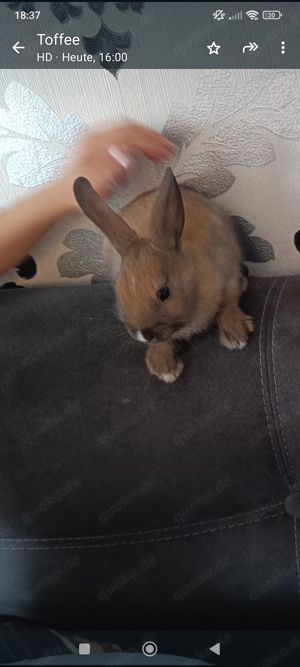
167,215
110,223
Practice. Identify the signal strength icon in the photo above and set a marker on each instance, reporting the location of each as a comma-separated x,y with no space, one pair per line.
236,17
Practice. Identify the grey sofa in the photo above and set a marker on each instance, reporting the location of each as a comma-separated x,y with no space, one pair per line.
124,498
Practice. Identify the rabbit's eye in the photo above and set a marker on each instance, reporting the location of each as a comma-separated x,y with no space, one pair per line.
163,294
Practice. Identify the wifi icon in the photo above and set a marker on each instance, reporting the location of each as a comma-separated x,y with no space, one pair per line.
252,14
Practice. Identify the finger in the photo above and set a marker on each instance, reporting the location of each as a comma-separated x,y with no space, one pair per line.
136,129
155,143
119,174
150,148
111,174
134,134
119,156
106,182
120,162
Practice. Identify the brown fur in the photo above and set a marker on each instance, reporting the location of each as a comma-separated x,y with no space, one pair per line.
180,239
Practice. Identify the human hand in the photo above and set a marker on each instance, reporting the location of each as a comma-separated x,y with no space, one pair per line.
106,157
98,160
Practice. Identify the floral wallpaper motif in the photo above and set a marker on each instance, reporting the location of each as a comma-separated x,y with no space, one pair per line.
105,40
254,248
37,142
85,255
229,122
227,125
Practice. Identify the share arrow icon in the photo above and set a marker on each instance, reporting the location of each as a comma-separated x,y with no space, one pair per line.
251,46
216,648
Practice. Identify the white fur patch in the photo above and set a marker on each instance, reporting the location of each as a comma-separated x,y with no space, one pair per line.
169,377
140,337
196,327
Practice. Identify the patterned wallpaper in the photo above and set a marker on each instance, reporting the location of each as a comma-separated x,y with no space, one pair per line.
238,140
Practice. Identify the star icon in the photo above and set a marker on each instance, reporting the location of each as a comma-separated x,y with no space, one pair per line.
213,48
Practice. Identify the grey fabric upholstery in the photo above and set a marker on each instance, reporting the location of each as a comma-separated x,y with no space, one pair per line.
123,497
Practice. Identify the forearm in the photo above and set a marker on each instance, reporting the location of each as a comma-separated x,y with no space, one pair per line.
104,159
28,220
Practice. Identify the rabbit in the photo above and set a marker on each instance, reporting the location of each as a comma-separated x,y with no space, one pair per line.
174,258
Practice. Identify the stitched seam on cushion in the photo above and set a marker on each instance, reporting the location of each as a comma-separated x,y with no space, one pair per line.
154,539
275,383
262,382
140,532
297,555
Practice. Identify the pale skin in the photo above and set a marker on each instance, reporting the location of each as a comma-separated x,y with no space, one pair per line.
29,219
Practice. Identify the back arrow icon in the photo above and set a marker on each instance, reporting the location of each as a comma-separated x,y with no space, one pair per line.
251,46
17,46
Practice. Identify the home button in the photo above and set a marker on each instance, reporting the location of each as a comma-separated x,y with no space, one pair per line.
149,649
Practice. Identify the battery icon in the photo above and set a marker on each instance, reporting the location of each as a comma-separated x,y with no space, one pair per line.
272,15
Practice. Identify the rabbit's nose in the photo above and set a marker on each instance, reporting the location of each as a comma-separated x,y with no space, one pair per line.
148,334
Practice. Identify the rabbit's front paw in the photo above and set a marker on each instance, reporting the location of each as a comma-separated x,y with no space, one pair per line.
163,362
235,327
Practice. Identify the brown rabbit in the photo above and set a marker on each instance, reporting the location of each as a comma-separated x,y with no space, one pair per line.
176,264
